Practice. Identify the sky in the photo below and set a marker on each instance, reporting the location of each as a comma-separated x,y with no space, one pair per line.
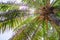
8,33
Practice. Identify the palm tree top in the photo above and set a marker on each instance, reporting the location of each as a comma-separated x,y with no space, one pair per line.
36,27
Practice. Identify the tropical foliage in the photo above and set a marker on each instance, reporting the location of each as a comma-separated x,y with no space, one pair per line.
42,24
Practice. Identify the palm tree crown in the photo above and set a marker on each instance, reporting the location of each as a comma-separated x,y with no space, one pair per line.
42,24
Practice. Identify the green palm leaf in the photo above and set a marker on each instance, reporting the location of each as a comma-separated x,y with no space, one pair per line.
35,3
25,34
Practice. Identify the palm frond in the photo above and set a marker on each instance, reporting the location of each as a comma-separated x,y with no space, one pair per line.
56,3
12,17
35,3
28,33
6,7
57,29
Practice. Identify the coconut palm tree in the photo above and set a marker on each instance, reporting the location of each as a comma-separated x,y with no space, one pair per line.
42,24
